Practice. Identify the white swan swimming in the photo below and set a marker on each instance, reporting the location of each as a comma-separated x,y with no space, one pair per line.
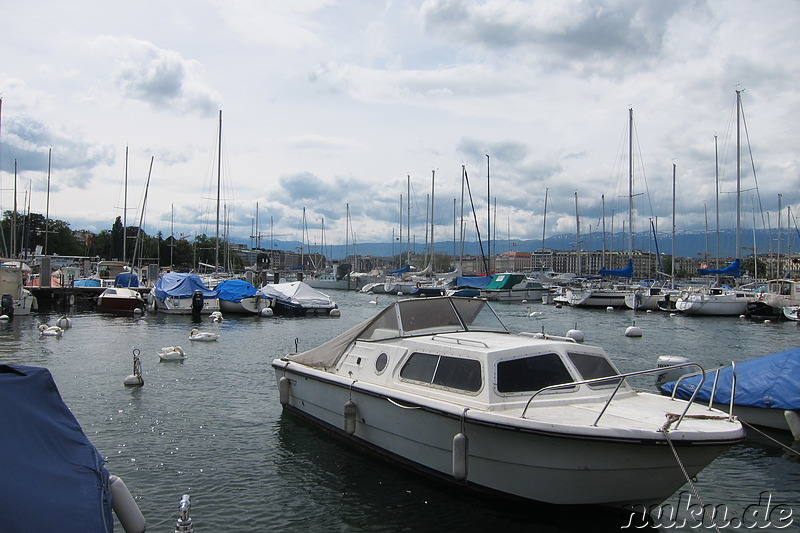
172,353
216,316
197,335
64,322
50,331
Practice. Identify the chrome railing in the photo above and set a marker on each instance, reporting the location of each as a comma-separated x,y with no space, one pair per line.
713,386
621,378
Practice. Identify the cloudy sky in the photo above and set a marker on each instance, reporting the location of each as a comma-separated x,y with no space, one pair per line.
327,104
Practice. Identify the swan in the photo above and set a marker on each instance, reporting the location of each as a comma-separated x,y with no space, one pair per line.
197,335
64,322
216,316
172,353
50,331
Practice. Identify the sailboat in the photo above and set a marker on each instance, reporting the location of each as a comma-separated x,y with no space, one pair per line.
722,300
595,294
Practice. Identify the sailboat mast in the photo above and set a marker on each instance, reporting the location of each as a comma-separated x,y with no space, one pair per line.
47,214
544,223
672,283
578,233
400,239
630,185
171,233
778,264
738,173
433,175
219,179
125,210
408,219
603,203
488,216
716,182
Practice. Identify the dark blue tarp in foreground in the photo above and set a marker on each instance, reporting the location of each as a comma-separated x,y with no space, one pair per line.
399,271
53,478
626,272
181,285
126,279
771,381
233,290
472,282
734,269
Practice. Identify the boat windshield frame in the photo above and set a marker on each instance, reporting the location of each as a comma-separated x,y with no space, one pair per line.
433,315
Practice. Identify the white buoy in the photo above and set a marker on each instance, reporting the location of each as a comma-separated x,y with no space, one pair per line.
399,293
633,331
649,311
576,335
128,513
350,412
460,454
267,312
609,308
135,379
335,313
673,314
137,311
558,306
742,316
768,321
5,317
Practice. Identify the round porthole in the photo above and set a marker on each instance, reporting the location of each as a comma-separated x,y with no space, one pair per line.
381,362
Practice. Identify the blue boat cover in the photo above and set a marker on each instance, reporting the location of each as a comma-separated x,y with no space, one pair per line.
626,272
126,279
53,478
86,283
181,285
771,381
472,282
399,271
233,290
734,269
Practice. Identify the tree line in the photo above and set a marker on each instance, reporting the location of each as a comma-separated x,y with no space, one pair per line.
25,232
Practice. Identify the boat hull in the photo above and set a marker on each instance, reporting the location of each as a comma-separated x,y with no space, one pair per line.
183,306
251,305
595,298
544,466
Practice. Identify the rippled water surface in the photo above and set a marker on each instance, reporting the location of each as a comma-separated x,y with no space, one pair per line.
212,426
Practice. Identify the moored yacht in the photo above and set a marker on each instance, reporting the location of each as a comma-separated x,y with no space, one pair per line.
441,385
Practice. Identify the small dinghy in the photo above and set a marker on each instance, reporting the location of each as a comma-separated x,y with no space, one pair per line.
204,336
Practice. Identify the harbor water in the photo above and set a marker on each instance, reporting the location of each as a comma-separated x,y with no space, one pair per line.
212,426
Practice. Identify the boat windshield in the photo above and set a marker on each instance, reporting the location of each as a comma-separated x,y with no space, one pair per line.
422,316
437,315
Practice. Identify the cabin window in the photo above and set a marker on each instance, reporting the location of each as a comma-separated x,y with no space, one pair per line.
531,373
381,362
451,372
593,366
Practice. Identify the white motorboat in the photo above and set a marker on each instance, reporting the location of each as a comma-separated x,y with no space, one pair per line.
511,287
441,385
647,298
596,295
298,299
15,299
179,293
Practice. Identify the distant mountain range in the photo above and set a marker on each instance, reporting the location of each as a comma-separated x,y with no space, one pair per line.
687,244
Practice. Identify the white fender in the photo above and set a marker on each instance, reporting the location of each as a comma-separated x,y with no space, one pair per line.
283,390
350,412
125,507
793,419
460,452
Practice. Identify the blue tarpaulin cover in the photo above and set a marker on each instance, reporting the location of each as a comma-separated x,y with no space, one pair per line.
771,381
53,478
126,279
181,285
399,271
233,290
626,272
472,282
86,283
734,269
